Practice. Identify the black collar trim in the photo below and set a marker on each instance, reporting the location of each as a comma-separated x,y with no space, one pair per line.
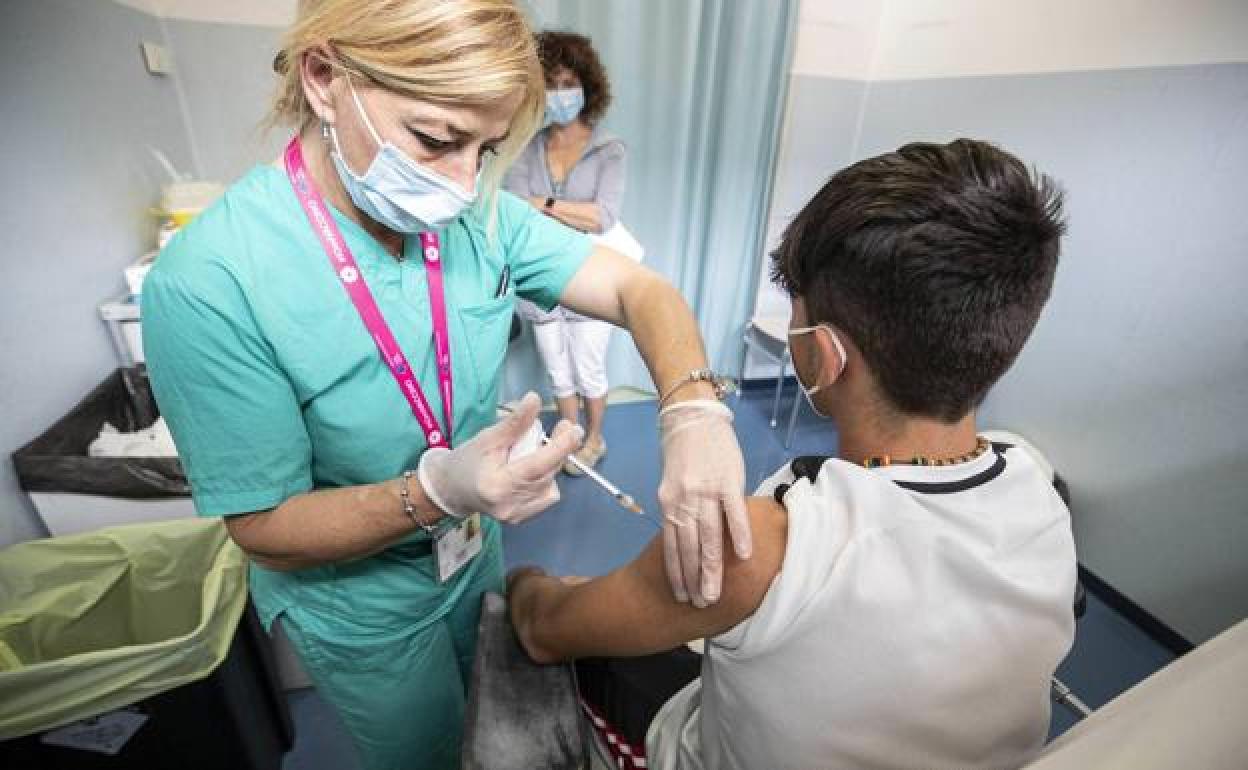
970,482
808,467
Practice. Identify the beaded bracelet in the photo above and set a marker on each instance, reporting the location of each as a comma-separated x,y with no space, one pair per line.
405,496
718,384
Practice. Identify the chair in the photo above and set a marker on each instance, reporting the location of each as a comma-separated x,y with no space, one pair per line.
520,715
769,336
1062,694
1188,714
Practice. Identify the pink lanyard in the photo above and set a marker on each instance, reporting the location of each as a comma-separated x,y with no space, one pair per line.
344,265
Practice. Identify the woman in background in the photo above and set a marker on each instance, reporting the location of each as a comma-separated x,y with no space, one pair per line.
573,171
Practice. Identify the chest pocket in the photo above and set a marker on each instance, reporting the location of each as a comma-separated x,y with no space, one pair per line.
486,328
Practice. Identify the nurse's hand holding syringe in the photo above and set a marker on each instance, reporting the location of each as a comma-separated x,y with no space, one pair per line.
484,475
626,501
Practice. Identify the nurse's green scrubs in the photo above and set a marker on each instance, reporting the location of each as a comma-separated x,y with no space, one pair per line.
272,387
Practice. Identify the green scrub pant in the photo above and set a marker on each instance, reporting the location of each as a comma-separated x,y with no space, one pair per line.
399,684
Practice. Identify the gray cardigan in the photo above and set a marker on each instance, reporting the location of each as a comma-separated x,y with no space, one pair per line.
597,177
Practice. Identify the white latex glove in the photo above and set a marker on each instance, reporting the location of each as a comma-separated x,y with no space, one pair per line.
703,483
482,476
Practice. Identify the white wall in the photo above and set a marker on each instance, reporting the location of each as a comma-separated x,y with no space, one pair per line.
1134,380
881,40
260,13
961,38
222,52
226,74
837,39
79,113
832,60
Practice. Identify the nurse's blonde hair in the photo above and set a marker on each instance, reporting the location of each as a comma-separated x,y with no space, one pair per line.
451,52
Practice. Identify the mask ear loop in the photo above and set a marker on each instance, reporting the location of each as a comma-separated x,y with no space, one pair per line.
363,114
840,349
328,131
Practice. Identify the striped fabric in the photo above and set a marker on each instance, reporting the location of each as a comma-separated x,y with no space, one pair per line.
625,755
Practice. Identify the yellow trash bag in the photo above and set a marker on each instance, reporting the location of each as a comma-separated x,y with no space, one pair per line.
93,622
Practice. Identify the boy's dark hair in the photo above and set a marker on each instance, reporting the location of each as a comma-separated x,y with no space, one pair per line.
576,52
936,260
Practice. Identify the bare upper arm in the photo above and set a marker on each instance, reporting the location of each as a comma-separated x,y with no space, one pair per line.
632,611
597,288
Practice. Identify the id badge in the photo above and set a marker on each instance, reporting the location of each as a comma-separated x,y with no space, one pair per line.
455,547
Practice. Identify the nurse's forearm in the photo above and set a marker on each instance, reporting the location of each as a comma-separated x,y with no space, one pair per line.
613,288
666,335
330,525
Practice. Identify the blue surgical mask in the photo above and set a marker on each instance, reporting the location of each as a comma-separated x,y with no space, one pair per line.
396,191
809,392
564,104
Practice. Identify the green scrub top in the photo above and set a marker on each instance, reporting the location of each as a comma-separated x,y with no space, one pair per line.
272,386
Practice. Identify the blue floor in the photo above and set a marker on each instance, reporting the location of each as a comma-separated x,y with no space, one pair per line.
1110,655
586,533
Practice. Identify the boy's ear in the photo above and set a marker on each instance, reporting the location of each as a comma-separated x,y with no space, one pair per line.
831,362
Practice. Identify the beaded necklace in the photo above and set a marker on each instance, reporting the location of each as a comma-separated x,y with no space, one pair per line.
883,461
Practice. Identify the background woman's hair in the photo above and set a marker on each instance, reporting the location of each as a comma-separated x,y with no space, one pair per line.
576,52
452,52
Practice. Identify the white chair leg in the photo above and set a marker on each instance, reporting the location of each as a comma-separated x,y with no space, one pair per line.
1063,695
784,367
797,403
745,354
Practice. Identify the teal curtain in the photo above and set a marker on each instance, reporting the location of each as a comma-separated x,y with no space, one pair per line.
698,95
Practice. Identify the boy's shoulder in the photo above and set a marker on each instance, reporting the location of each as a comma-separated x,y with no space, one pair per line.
863,501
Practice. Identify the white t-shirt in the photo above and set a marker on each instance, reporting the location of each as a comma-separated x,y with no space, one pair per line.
916,620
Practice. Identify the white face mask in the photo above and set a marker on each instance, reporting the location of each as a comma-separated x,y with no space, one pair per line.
840,351
396,191
564,104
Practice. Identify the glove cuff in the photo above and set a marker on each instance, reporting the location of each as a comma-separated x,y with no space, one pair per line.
431,457
705,405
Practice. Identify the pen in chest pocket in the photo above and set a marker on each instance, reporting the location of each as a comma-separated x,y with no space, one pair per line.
504,282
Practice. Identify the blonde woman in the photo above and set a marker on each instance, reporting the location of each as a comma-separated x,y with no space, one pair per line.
325,344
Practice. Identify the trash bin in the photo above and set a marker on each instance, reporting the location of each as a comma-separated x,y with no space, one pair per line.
135,647
75,493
